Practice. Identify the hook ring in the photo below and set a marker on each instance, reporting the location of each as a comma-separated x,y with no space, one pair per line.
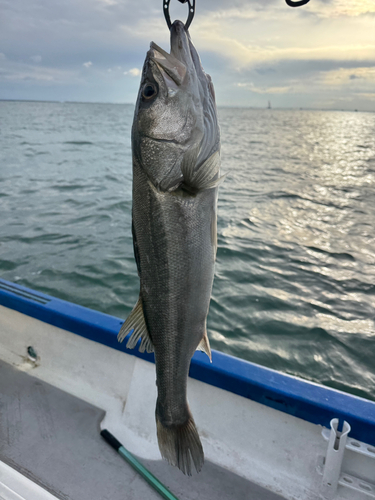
191,4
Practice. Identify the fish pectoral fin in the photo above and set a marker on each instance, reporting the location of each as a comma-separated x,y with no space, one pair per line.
205,177
136,323
204,346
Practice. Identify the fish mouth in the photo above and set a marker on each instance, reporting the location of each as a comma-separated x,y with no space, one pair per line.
177,63
167,64
181,43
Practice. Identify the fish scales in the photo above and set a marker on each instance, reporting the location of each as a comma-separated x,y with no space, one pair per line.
176,270
176,161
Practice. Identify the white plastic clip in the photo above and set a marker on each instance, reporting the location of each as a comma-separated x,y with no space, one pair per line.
334,458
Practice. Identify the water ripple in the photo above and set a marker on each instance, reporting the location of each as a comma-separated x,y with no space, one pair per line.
295,274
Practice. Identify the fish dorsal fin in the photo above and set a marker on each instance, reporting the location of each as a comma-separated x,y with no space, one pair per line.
205,177
204,346
136,322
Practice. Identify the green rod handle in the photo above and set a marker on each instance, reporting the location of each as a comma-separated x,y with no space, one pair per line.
145,473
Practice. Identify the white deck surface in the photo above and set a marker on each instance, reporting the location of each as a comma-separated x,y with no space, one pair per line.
53,439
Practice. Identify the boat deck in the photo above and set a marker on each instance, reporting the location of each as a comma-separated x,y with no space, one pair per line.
53,438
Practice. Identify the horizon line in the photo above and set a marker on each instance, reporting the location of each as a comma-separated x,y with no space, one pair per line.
298,108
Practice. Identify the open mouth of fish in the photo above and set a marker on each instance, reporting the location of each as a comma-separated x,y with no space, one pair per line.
182,56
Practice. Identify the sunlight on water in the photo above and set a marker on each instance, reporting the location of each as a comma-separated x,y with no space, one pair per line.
295,276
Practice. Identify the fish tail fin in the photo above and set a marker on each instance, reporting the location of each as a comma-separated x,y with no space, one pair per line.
180,445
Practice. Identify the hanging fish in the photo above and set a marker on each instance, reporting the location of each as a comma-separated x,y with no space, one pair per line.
176,162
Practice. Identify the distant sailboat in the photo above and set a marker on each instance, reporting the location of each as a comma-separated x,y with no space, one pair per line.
269,105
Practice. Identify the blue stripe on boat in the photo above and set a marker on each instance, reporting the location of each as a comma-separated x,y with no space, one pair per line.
305,400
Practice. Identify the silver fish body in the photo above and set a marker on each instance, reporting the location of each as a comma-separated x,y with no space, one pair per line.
176,161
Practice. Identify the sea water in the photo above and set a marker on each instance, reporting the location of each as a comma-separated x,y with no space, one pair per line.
295,274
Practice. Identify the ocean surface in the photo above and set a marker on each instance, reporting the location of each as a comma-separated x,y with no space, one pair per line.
295,274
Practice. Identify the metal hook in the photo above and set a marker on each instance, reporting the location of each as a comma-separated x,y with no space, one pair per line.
190,16
299,3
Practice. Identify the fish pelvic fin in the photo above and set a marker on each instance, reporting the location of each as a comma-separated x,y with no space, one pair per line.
136,325
180,445
204,346
205,177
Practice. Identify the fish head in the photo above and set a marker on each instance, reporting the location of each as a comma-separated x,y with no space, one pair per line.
175,111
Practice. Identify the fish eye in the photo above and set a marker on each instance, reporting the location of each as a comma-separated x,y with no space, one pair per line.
149,91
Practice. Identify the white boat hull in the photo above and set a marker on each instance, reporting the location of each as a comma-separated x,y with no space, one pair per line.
273,449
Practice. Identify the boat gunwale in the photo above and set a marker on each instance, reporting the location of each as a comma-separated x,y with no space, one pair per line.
301,398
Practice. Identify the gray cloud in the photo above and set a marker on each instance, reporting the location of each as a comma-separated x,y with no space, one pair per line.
36,59
288,70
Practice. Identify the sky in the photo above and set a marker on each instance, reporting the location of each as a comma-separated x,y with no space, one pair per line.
321,55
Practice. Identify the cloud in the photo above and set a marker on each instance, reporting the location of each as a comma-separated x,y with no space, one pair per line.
342,8
246,36
310,83
16,73
133,72
265,90
311,50
2,56
368,95
36,59
309,75
362,80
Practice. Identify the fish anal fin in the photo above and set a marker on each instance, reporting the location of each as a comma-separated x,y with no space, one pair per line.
204,346
136,323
